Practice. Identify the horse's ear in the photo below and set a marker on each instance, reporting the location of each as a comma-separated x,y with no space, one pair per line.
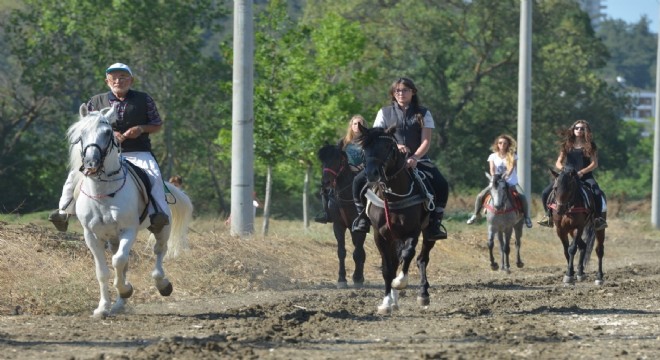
110,114
363,130
83,110
554,173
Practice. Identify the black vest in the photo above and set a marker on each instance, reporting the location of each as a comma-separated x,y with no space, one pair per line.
135,114
408,128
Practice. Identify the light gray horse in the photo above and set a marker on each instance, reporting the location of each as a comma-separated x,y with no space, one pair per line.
504,218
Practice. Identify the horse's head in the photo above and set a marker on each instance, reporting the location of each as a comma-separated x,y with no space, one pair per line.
383,160
498,190
92,139
334,161
566,187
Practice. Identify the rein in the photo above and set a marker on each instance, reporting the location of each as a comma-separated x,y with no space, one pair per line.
112,194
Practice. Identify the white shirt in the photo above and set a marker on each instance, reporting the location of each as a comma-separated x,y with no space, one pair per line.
500,168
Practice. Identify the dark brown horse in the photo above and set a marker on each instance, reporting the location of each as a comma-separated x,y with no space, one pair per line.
396,208
337,179
573,215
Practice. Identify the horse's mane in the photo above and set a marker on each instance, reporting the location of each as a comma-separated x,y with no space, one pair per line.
329,152
88,121
368,137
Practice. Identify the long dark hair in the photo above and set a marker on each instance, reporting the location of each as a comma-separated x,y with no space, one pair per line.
568,139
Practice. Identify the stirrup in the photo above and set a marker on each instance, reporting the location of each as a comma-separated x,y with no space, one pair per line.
158,222
545,221
361,224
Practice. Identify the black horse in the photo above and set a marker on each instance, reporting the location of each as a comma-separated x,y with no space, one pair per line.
573,215
397,207
337,180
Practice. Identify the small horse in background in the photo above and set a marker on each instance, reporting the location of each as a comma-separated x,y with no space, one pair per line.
396,208
110,205
504,218
573,216
337,179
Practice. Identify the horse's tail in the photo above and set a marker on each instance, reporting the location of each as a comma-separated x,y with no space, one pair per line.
590,240
181,209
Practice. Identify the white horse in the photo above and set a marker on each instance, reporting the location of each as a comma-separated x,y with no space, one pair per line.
504,220
110,205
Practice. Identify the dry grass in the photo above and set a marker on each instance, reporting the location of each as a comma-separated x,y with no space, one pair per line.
46,272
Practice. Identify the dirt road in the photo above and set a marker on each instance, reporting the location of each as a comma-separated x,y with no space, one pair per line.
475,313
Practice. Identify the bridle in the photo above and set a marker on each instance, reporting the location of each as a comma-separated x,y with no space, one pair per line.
571,186
112,142
393,151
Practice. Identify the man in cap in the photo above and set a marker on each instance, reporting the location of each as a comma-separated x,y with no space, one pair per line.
137,117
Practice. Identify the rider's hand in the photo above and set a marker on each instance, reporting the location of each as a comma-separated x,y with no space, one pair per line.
404,149
411,162
120,137
133,132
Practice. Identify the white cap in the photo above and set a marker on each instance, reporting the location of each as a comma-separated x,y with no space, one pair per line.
119,66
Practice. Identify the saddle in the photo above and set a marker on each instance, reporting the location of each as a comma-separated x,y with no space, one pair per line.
424,196
513,195
587,194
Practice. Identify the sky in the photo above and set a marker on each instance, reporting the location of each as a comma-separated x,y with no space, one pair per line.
631,11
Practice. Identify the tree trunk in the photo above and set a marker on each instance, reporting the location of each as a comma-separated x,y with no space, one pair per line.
269,185
308,171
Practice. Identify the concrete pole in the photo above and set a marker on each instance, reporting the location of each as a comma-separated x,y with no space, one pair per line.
242,141
525,99
655,212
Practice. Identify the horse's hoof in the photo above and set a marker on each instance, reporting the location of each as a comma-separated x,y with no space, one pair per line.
494,266
568,280
520,265
599,282
342,285
423,300
128,293
507,271
358,284
167,290
384,310
581,278
100,314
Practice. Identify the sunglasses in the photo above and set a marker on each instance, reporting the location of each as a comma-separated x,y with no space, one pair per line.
580,128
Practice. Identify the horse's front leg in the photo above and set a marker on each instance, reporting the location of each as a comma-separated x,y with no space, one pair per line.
505,248
359,258
340,235
600,251
423,299
120,263
163,284
407,254
569,278
582,246
389,265
97,247
491,244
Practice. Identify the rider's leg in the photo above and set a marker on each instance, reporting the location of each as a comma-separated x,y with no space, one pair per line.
60,217
599,221
547,219
161,211
324,216
525,205
478,203
361,222
435,230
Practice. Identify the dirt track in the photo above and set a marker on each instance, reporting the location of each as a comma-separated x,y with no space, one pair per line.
474,314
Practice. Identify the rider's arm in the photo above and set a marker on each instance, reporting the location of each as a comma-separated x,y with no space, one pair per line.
560,161
592,166
491,165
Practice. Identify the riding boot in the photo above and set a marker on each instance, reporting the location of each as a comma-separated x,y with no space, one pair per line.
435,230
323,217
362,222
59,219
546,220
599,221
158,220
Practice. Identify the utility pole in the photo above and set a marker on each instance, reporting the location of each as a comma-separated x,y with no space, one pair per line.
242,139
655,212
525,99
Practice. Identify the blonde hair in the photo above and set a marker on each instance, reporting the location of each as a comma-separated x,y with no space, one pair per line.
349,131
510,150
